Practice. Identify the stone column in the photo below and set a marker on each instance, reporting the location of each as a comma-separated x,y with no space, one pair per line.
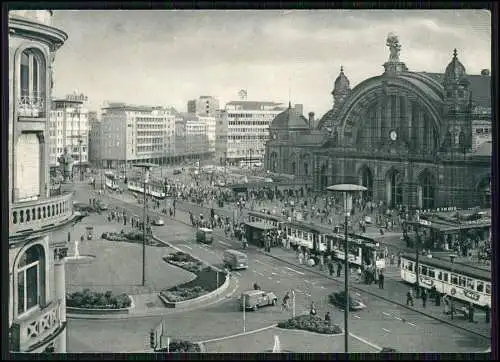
60,293
409,121
388,117
378,118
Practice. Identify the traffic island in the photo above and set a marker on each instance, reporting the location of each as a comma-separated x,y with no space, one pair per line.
90,302
209,282
310,323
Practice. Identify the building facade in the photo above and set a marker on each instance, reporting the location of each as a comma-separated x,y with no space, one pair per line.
129,134
243,130
407,136
94,136
206,106
69,128
192,138
37,311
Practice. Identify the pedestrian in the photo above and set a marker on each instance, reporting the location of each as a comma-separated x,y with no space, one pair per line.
424,298
381,280
409,297
339,269
312,311
330,267
328,319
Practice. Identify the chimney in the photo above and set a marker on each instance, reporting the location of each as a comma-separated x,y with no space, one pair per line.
485,72
311,120
299,108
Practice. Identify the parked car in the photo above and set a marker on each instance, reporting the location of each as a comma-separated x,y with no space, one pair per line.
338,299
255,299
158,222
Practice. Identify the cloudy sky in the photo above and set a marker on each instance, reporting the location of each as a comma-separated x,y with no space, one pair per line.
169,57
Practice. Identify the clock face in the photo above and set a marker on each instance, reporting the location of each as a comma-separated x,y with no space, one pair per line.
393,135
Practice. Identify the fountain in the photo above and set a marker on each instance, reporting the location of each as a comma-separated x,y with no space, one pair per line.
277,345
77,258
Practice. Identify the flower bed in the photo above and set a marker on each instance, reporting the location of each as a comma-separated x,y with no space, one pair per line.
132,236
206,280
310,323
88,299
182,346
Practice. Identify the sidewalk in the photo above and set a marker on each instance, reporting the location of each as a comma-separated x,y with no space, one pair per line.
394,290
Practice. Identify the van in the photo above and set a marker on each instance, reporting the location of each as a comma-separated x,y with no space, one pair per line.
235,260
255,299
204,236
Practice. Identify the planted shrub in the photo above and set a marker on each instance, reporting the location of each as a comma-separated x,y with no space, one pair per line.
96,300
310,323
180,294
182,346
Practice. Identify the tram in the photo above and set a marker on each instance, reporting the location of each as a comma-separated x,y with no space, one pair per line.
154,188
270,219
111,181
462,282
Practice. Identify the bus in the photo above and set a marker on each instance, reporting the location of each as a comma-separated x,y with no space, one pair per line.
155,189
462,282
111,180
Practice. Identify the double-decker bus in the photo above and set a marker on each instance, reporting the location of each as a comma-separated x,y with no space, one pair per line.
111,181
465,283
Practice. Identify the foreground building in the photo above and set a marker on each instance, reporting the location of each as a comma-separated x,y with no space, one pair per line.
407,136
69,128
243,130
37,312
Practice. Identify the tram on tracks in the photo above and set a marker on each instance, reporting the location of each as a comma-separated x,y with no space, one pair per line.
111,181
154,188
462,282
318,239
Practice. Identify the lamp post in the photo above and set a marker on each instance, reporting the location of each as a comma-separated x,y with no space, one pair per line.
347,190
80,141
146,167
452,259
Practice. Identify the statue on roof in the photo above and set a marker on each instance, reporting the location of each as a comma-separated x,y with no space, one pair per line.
394,47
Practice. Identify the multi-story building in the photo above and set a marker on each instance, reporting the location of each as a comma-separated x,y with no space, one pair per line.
407,136
243,130
36,302
69,128
192,136
94,134
203,106
130,134
210,122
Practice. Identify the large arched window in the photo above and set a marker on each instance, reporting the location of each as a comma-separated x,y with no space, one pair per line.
274,161
323,182
294,168
366,179
32,83
394,183
306,168
30,279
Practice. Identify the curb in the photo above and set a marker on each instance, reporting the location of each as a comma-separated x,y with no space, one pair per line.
238,334
73,312
379,296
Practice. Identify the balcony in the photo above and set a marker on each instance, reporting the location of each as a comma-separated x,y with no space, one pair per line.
38,328
37,215
31,106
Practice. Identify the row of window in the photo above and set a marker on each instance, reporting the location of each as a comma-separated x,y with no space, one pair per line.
461,281
248,123
252,115
482,130
248,138
152,126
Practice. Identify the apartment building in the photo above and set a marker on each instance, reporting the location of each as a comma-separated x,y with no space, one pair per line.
131,133
69,128
243,129
203,106
37,290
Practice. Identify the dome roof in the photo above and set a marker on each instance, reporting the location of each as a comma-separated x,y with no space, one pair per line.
342,83
455,71
290,119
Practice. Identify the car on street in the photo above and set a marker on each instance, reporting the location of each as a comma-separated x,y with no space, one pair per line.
82,207
255,299
100,205
338,299
158,222
177,172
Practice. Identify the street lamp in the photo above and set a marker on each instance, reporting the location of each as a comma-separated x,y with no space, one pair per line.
146,167
80,141
348,190
452,259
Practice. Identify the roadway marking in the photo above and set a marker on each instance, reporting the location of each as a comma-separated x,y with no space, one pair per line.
277,281
308,294
223,243
373,345
387,314
298,272
386,330
411,324
356,316
399,319
260,274
322,287
357,294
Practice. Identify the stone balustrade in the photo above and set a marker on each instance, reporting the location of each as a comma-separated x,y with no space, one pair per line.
38,214
37,327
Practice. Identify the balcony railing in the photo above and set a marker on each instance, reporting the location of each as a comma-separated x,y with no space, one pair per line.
27,333
35,215
32,106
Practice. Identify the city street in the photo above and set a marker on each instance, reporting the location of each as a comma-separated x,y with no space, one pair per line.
382,323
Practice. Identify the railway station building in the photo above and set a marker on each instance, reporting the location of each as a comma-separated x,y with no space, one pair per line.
407,136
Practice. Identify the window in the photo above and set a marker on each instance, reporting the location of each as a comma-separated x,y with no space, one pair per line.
462,281
470,284
431,273
30,279
32,82
445,277
488,288
410,266
440,275
423,270
454,279
480,286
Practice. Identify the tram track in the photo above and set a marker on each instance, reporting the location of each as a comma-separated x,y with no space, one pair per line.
338,282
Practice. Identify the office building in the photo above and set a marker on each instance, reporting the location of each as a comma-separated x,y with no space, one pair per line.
37,290
206,106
